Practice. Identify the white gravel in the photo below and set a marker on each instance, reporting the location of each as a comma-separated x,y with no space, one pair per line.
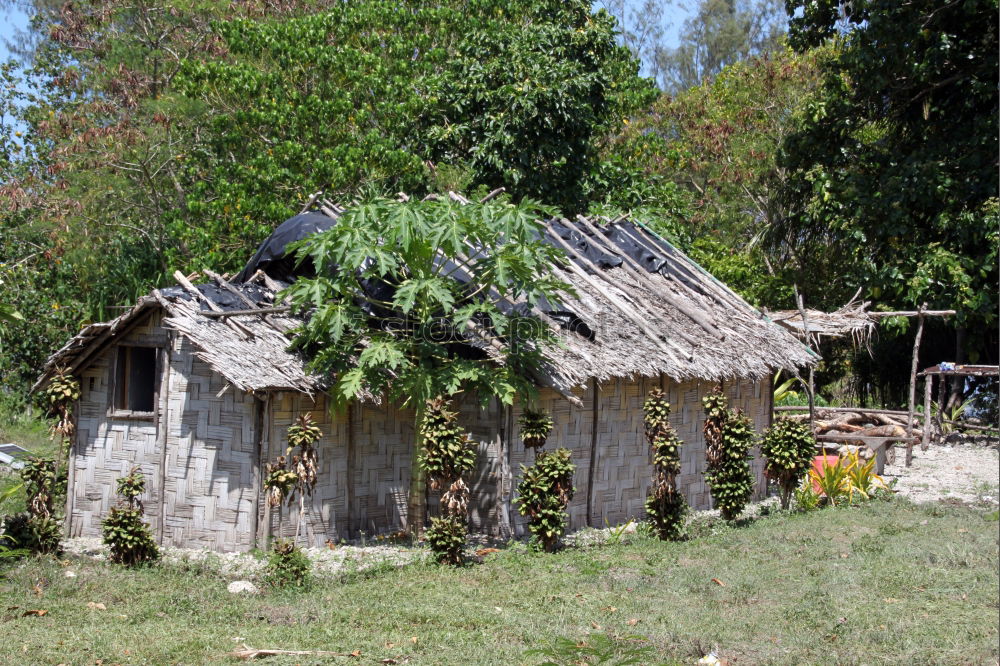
235,566
969,473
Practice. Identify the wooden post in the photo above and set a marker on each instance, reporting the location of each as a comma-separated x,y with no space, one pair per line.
265,454
914,362
805,332
162,422
942,388
349,503
259,406
593,453
928,389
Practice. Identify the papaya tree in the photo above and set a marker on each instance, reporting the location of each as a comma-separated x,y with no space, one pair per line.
414,300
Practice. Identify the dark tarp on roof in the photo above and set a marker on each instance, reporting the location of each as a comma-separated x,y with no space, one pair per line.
271,257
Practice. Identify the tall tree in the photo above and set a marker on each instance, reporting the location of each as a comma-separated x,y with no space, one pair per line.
718,141
719,33
894,175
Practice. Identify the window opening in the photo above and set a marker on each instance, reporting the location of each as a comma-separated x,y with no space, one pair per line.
135,381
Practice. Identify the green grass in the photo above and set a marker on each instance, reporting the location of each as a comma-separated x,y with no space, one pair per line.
885,582
30,432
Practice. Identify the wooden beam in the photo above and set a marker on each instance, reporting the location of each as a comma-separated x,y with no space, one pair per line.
913,370
237,313
925,440
592,475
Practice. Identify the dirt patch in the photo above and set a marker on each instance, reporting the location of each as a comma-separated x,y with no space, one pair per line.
963,472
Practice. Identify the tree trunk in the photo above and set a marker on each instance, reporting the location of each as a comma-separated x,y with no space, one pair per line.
416,509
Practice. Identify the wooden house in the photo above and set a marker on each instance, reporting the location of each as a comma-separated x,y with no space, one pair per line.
196,386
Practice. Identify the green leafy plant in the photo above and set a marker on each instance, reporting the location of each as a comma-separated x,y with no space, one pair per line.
129,538
665,506
39,529
287,565
806,497
729,435
833,481
535,427
543,494
294,475
862,478
617,532
409,339
446,536
788,448
447,452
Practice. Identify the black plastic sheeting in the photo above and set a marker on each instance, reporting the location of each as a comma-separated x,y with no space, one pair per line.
653,254
271,256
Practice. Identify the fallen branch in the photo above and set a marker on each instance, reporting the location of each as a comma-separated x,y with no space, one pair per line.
249,653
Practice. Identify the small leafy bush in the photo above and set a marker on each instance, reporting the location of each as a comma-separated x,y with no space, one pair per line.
806,497
729,435
535,427
665,506
544,492
833,481
287,565
446,536
862,478
39,529
788,448
446,454
129,538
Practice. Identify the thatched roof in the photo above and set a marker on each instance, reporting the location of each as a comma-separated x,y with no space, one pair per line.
642,308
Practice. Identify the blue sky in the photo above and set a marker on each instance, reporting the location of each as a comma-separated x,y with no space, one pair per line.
13,19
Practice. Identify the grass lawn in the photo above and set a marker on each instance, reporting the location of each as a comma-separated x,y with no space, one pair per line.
882,583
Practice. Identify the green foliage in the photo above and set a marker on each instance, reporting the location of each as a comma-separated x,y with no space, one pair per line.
446,537
447,451
729,435
892,177
406,346
718,33
665,506
788,448
832,480
544,493
535,427
806,497
129,539
287,565
279,482
717,142
862,477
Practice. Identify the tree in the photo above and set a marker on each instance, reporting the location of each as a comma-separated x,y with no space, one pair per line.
893,177
419,300
718,34
718,142
160,137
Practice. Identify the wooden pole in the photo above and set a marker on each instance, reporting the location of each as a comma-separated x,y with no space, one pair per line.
928,389
592,475
913,371
805,333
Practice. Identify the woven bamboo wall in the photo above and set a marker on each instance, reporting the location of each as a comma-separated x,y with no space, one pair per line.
106,447
210,487
623,467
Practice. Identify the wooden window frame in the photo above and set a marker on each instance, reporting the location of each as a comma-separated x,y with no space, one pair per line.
118,413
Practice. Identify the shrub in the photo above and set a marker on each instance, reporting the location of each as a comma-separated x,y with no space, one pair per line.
806,498
833,481
535,426
862,478
789,448
665,506
446,537
729,436
543,493
39,529
287,566
130,540
446,454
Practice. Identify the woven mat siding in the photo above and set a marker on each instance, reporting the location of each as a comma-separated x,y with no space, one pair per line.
572,430
484,425
327,511
211,458
107,448
623,466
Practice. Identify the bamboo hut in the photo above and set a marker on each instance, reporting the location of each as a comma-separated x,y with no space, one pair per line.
195,385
